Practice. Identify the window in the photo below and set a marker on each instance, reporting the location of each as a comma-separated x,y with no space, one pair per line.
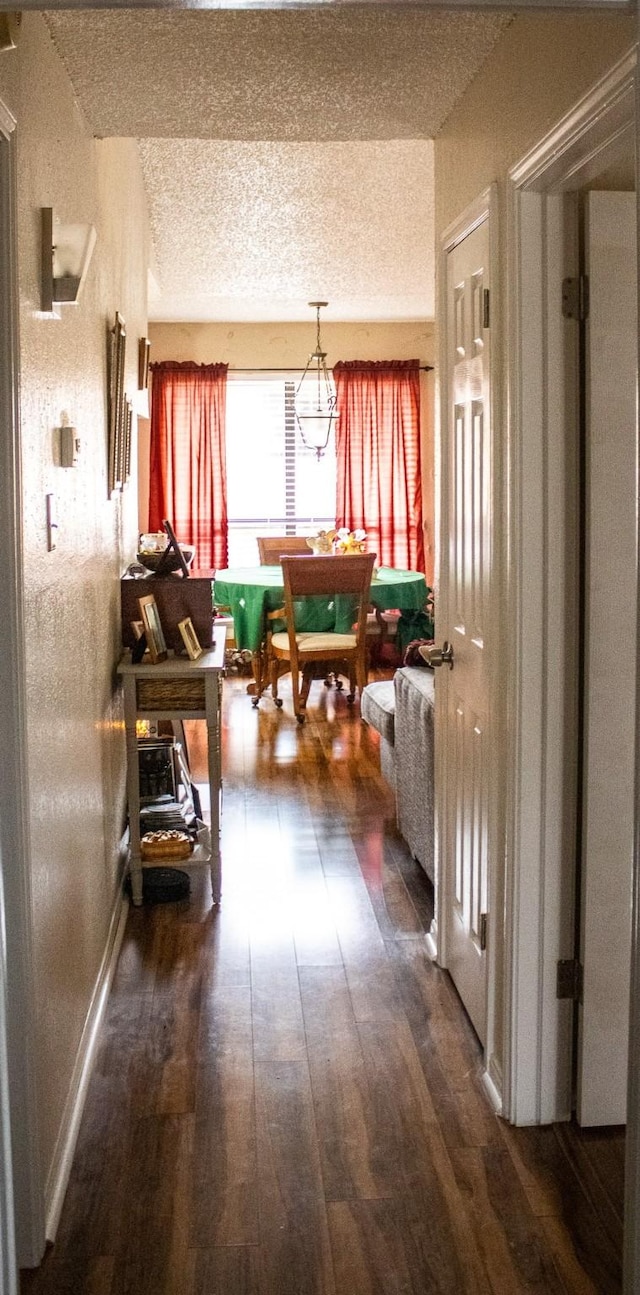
275,486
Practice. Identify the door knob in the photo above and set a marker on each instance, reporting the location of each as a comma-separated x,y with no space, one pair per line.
441,656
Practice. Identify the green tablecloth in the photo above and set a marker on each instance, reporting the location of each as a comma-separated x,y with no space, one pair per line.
252,591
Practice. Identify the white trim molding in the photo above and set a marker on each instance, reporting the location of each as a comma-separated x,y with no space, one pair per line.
540,673
631,1242
14,785
602,122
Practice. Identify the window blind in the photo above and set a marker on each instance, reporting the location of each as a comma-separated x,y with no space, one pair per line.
275,486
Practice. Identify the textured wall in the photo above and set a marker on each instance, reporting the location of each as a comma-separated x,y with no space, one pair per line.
75,737
279,345
540,67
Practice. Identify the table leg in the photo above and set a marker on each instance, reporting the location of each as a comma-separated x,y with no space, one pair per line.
213,686
256,687
133,790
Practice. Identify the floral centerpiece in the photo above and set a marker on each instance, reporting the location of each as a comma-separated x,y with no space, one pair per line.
342,541
347,541
322,542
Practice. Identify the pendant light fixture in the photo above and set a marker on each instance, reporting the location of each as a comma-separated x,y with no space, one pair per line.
315,398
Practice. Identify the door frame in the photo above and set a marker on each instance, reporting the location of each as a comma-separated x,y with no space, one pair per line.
537,1080
484,208
21,1186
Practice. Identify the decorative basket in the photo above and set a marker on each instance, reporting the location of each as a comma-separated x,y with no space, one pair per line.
165,845
170,694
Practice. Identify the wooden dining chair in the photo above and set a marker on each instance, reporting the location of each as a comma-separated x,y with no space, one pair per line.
306,577
272,547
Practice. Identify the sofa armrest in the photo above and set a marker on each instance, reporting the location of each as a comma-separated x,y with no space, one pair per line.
414,692
377,708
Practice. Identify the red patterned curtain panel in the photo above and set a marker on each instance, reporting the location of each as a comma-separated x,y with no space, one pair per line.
379,484
187,461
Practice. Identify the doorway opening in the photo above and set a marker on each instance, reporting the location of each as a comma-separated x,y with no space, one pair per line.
543,439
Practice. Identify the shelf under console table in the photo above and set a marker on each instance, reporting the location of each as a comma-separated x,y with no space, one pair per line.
175,689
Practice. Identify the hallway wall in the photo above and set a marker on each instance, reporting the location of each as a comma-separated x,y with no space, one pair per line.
541,66
76,754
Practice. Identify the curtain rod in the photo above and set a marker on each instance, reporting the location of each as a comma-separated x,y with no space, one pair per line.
256,368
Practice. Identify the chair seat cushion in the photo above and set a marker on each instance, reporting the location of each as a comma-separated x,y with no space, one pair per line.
378,707
315,642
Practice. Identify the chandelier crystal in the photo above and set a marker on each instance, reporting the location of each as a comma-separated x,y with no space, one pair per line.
315,398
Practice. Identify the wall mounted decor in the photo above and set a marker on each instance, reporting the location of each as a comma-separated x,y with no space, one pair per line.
117,413
144,347
66,256
128,433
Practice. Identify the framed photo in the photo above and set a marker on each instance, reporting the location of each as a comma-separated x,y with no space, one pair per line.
153,628
173,548
144,348
190,638
140,646
116,403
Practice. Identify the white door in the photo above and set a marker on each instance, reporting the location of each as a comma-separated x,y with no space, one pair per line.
610,657
465,574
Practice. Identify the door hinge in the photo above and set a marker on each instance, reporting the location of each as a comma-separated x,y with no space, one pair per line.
569,979
486,308
575,298
483,931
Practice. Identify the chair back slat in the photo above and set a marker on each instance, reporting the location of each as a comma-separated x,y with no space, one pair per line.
272,547
328,575
336,577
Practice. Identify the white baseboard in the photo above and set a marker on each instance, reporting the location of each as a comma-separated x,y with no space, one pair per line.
431,946
492,1085
431,941
58,1176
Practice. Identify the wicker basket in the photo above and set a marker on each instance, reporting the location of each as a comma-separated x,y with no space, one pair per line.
170,694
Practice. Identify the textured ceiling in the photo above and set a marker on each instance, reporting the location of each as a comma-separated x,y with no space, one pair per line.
351,223
286,153
354,73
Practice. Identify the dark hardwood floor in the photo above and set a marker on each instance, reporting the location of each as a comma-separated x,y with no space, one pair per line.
287,1096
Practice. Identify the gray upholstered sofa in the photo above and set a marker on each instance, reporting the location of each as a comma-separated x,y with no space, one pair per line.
401,710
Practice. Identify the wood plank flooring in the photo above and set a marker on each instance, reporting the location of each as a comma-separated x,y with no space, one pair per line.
287,1096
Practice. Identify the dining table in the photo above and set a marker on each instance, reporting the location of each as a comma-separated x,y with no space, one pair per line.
251,592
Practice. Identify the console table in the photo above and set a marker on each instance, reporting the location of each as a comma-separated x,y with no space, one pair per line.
175,689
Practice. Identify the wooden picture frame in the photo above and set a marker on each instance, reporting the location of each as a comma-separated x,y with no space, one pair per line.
172,547
153,628
140,646
144,348
126,446
190,638
116,403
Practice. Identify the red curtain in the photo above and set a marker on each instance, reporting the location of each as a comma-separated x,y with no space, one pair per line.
187,461
379,487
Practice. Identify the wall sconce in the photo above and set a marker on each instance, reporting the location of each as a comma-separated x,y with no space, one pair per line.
9,30
66,254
